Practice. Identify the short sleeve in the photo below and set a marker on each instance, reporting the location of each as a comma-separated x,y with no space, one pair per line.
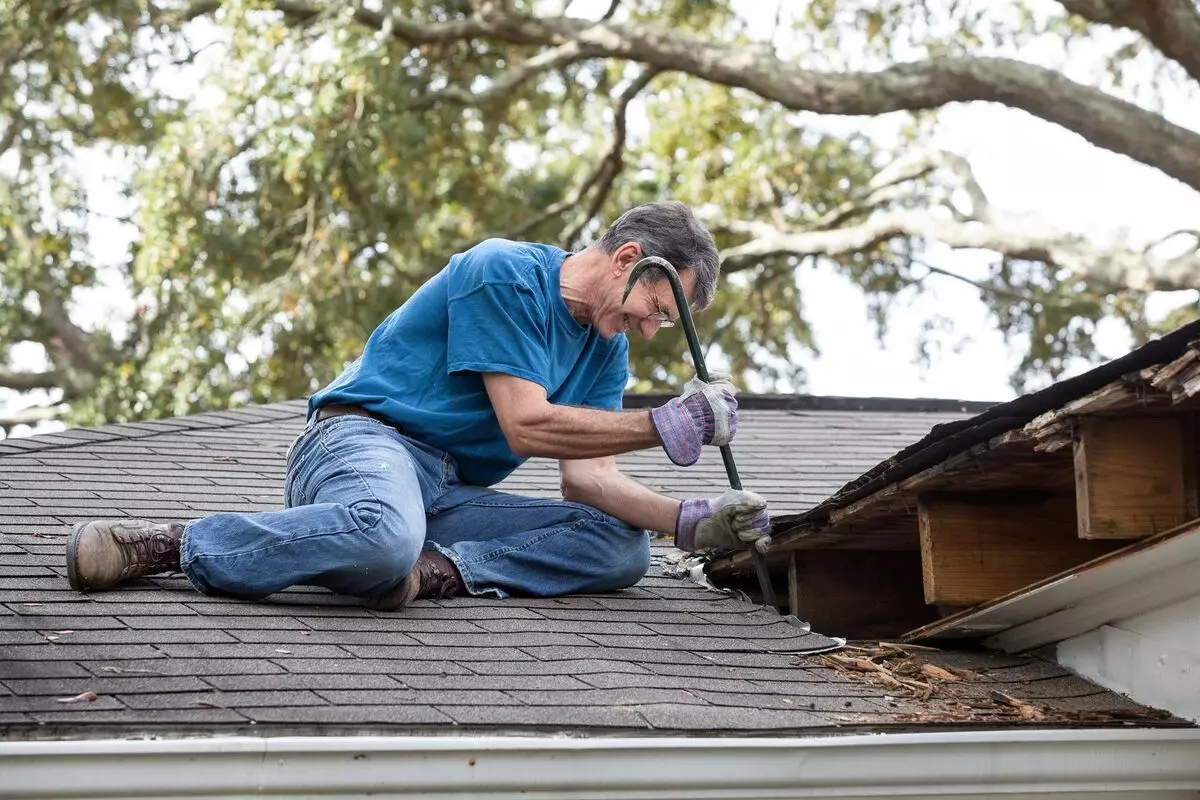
497,323
609,389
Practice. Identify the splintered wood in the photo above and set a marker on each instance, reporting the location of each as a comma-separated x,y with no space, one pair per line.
895,668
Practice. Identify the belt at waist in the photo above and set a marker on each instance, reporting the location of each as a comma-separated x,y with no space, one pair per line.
341,409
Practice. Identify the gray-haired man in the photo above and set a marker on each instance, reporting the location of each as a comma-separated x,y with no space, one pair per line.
513,350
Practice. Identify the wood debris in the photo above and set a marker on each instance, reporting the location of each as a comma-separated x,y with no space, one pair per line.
1025,710
895,668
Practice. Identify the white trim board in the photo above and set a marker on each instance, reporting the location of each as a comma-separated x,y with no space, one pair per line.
1149,574
1152,669
1060,763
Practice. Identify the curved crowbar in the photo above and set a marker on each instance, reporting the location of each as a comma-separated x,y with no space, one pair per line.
689,329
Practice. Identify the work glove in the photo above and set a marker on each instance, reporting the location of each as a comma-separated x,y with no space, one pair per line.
737,520
706,413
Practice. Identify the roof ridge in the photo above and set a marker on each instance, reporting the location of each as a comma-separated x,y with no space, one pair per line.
129,431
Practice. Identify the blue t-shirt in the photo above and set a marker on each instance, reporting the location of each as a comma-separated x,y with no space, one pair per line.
498,307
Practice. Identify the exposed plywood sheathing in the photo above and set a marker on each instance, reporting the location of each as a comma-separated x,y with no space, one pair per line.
975,548
1130,476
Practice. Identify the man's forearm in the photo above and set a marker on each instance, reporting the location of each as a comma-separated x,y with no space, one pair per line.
572,432
620,496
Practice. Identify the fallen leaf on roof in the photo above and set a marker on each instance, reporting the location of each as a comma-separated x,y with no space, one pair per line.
86,697
127,669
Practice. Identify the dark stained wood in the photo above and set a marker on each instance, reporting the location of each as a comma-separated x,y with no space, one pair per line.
861,594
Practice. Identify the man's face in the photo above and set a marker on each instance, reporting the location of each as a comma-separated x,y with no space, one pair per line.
650,306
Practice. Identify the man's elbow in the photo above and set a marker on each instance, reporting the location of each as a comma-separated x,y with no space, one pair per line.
526,437
584,486
522,443
577,491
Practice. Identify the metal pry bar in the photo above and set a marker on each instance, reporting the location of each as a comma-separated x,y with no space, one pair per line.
689,330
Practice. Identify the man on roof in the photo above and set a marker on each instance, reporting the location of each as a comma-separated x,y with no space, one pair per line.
513,350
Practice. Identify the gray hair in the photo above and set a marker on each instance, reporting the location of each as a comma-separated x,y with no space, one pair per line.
669,230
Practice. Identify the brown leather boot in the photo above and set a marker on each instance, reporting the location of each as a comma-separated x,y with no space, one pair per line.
433,576
104,553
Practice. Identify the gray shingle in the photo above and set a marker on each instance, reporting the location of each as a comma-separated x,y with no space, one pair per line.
373,666
577,667
474,697
216,699
185,666
60,687
64,651
602,698
665,717
545,716
351,715
466,654
143,718
286,638
39,703
291,680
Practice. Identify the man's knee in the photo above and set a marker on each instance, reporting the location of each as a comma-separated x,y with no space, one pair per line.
632,557
393,539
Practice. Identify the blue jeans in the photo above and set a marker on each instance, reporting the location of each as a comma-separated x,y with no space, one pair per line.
362,501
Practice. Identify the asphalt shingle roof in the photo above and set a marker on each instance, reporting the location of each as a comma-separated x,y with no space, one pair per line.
666,654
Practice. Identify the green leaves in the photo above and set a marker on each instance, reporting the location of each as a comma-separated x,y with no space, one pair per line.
317,171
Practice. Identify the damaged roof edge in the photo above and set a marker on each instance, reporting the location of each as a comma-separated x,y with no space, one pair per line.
996,762
954,437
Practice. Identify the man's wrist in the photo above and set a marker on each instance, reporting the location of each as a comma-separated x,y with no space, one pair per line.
691,512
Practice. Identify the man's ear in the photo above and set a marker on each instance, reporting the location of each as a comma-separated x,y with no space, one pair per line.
626,256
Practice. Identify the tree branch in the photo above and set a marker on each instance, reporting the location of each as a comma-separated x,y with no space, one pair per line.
20,381
16,121
545,61
1106,121
610,166
1118,267
32,416
1172,26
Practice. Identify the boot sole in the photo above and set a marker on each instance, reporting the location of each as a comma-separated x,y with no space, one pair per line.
72,543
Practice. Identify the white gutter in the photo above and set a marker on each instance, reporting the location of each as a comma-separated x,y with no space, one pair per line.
1062,763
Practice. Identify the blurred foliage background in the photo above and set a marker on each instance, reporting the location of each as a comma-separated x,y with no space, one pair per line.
294,170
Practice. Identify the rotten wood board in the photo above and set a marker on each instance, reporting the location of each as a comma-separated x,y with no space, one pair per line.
974,548
1130,476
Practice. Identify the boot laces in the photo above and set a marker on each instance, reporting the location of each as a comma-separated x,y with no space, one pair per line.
146,548
437,583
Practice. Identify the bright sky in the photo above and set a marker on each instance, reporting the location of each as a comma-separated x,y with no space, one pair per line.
1021,162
